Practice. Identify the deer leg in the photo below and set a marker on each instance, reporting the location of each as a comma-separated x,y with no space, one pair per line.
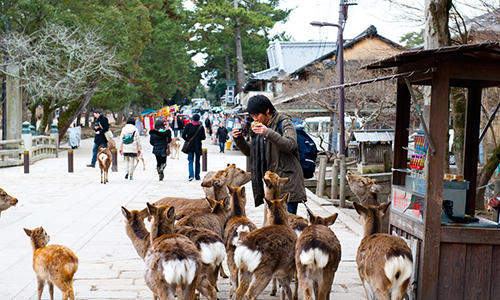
245,278
51,290
305,286
325,286
274,289
260,279
296,290
233,276
206,289
222,273
286,291
41,284
188,292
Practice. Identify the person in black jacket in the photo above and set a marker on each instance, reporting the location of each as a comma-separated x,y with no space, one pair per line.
101,125
221,136
194,129
177,125
159,138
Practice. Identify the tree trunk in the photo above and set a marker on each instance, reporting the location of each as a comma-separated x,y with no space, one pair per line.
79,120
485,176
437,32
47,110
458,100
228,66
87,118
75,109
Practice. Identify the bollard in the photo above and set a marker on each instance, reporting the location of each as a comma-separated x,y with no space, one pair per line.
70,161
26,162
342,181
114,163
204,155
335,179
320,185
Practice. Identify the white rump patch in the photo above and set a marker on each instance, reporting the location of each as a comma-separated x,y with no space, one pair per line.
179,271
212,254
395,265
246,258
103,157
314,257
298,232
241,229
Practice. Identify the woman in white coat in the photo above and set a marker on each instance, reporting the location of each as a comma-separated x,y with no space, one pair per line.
129,145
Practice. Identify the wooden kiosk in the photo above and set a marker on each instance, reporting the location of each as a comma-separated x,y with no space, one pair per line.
451,260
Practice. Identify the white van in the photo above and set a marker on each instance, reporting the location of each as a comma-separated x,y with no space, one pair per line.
318,129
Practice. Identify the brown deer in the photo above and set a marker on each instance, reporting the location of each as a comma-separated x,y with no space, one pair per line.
175,147
367,190
266,253
272,190
385,262
215,220
317,257
209,245
214,185
105,158
54,263
6,200
237,228
172,260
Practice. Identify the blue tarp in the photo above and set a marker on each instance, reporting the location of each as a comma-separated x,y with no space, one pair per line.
147,111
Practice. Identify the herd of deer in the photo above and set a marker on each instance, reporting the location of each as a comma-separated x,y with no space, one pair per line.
189,238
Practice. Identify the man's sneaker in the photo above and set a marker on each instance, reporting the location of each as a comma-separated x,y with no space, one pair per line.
91,166
126,176
191,179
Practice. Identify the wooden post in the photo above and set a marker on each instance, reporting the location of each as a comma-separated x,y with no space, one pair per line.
342,181
114,163
26,162
320,186
335,179
494,215
70,161
204,155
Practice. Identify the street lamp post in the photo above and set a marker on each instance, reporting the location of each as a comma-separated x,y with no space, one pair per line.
340,60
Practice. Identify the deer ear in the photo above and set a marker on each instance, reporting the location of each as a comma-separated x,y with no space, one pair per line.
311,216
360,209
242,191
383,207
269,203
207,183
284,181
211,202
285,198
126,213
231,189
151,209
28,231
171,213
225,202
145,213
331,219
267,182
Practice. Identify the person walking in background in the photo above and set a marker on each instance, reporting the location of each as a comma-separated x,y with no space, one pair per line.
101,125
221,136
129,145
208,125
177,125
280,149
159,138
194,132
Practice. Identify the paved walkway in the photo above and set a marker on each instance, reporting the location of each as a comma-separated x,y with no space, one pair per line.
79,212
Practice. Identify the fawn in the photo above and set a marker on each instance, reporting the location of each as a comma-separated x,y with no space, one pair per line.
172,260
6,200
266,253
385,262
237,228
367,191
317,257
54,263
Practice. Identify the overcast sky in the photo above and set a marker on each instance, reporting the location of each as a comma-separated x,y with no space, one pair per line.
380,13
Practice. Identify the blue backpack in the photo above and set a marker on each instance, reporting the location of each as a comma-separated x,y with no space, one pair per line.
307,152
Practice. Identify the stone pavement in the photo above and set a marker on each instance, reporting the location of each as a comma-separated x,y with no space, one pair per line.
79,212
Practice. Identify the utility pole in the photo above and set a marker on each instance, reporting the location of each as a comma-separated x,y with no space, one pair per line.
240,68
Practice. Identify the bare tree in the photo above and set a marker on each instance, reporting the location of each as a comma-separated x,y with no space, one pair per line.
370,105
60,65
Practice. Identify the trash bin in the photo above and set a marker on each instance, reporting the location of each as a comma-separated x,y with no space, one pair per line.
74,137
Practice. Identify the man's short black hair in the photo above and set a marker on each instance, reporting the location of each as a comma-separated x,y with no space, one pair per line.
259,104
96,111
196,117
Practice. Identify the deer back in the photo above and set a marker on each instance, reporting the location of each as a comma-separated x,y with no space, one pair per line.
215,220
136,230
385,262
185,206
105,158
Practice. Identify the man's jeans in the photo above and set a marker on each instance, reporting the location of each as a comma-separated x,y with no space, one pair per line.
221,146
95,150
176,131
196,172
